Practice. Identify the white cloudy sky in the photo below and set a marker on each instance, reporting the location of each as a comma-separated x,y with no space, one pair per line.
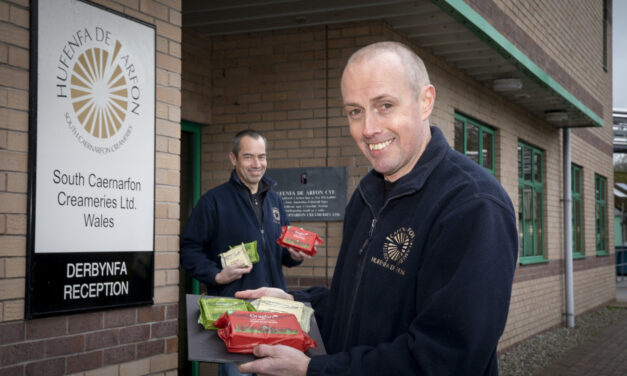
619,51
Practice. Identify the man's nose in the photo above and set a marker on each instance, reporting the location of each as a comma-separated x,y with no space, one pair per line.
371,124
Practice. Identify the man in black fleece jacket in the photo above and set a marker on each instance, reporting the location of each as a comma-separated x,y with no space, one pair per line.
424,276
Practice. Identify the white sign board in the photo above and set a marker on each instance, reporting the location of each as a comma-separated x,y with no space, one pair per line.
95,131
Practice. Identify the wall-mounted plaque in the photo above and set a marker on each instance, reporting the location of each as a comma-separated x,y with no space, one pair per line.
312,194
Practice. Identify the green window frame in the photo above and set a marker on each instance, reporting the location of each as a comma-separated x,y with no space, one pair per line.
600,214
190,189
531,204
576,190
471,136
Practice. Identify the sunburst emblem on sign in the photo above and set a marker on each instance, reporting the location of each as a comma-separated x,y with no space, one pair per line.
99,92
397,246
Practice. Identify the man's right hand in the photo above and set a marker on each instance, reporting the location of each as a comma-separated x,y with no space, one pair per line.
263,291
231,273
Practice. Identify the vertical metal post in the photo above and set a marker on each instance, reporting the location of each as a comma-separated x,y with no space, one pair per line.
568,231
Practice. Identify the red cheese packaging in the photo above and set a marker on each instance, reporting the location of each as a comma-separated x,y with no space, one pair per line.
299,239
241,331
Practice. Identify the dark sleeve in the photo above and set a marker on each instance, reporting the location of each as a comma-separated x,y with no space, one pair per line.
317,297
286,258
195,240
462,301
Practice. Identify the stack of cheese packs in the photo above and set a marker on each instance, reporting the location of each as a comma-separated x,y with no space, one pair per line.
242,325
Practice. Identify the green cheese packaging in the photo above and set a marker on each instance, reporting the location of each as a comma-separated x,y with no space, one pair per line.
251,249
212,309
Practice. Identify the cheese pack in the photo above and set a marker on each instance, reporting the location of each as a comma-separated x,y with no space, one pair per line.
299,239
300,310
241,331
212,308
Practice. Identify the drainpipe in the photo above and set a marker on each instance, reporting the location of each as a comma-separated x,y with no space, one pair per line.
568,232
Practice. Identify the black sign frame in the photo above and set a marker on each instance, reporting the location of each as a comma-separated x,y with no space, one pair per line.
103,274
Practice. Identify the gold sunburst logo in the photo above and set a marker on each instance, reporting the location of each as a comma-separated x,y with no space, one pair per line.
397,245
99,92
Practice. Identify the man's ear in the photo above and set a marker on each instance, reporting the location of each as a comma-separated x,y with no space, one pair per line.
427,100
233,159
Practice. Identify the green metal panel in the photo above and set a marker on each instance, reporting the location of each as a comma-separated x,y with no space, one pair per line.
195,130
618,231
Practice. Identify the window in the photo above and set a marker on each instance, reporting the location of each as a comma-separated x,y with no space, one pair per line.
471,137
600,213
531,204
576,199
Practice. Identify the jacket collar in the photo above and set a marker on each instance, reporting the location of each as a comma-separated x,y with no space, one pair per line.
265,184
372,185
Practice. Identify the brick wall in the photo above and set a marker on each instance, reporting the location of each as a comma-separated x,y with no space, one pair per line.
566,41
570,34
134,341
196,76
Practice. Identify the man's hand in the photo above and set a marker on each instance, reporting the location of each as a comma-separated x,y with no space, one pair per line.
231,273
297,255
277,360
263,291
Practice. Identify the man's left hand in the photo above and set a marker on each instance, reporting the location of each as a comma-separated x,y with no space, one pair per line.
297,255
277,360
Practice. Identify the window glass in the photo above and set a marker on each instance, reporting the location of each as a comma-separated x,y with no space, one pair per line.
475,140
459,136
487,152
531,204
527,164
472,142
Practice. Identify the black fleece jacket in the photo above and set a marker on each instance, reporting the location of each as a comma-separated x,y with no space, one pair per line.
423,280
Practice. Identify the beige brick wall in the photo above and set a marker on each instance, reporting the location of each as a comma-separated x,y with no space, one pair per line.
196,90
569,32
135,341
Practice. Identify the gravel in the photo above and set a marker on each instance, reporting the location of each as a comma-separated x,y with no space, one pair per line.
537,352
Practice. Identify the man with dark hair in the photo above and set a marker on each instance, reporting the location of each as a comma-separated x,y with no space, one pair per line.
424,275
244,209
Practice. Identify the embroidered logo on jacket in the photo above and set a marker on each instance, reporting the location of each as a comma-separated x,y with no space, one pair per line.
396,248
276,214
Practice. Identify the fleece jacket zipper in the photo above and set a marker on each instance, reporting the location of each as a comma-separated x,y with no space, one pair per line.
363,252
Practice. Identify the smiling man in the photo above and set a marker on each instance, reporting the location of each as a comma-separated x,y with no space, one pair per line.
245,209
424,275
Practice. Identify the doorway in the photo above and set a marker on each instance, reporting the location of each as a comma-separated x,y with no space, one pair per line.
189,195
